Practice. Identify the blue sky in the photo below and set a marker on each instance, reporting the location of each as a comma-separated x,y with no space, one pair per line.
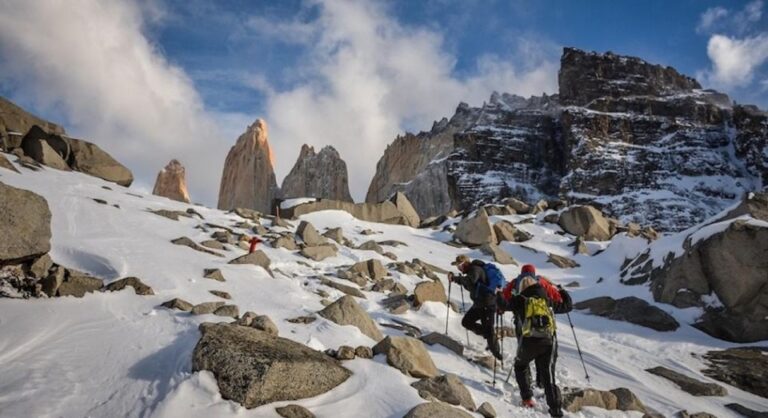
153,80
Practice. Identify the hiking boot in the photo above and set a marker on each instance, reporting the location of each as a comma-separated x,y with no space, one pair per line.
529,403
495,350
556,412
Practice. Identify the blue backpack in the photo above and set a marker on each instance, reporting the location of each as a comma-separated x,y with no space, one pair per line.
495,279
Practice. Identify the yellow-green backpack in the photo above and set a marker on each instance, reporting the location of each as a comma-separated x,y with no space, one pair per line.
539,321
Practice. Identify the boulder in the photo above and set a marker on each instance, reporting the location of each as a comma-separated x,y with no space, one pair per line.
4,163
179,304
742,367
40,267
402,204
349,290
579,246
264,323
77,284
230,311
486,410
171,182
562,262
294,411
51,283
746,412
371,246
685,414
620,399
214,274
345,352
688,384
447,388
429,291
213,244
408,355
476,230
521,208
499,256
587,222
309,234
39,150
373,269
345,311
138,286
505,231
362,351
436,410
25,225
88,158
630,309
251,367
220,293
730,265
285,241
320,252
257,258
336,234
248,179
188,242
444,340
206,307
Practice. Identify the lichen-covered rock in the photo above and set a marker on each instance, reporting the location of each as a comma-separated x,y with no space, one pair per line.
345,311
25,225
254,368
407,355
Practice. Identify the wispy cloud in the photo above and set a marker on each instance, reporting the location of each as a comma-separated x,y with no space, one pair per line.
91,59
367,78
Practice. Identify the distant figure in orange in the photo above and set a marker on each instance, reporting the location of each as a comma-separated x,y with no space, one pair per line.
254,242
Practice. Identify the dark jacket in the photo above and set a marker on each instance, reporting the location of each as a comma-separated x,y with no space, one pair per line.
476,273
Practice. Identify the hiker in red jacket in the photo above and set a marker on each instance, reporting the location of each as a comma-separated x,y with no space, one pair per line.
254,242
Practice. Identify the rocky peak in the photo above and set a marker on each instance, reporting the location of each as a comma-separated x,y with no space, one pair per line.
171,182
322,175
585,76
248,179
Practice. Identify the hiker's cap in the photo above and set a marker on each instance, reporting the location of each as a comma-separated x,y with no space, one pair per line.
529,268
461,259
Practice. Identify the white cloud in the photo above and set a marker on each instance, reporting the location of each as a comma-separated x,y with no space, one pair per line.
734,61
710,17
368,78
91,59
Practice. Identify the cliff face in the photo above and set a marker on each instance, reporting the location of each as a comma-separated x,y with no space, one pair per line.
321,175
642,141
248,180
171,182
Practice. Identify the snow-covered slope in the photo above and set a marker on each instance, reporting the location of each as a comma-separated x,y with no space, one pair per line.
119,354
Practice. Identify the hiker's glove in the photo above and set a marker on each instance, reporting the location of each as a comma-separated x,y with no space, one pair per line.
450,276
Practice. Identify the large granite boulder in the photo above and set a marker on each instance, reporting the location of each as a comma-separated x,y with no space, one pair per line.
689,384
321,175
25,225
436,410
88,158
429,291
248,179
586,222
408,355
255,368
307,232
171,182
620,399
39,146
406,208
345,311
630,309
257,258
15,122
476,230
319,252
447,388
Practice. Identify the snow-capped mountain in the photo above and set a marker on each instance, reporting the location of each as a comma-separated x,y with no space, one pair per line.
621,134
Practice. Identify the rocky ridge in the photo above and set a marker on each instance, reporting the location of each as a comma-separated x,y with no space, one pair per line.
621,134
321,175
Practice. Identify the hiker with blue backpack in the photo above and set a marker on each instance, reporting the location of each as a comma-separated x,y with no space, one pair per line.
482,280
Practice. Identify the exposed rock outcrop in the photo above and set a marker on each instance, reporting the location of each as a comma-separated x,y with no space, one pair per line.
620,130
171,182
345,311
689,384
321,175
476,230
586,222
15,122
742,367
25,225
251,367
630,309
384,212
621,399
248,180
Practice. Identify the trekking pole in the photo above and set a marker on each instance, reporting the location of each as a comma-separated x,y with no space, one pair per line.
501,343
494,371
461,288
586,374
448,306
